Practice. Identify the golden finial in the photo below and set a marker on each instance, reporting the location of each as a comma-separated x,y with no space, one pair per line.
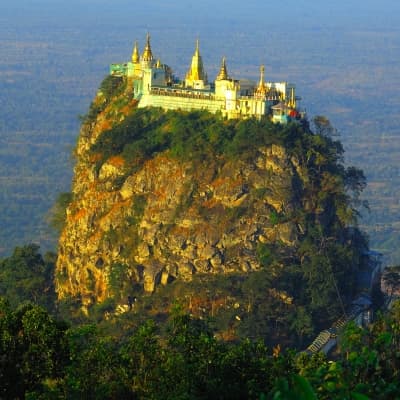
262,74
292,98
222,74
147,54
135,54
158,63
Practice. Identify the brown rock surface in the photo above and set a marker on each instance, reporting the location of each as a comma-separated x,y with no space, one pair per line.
167,216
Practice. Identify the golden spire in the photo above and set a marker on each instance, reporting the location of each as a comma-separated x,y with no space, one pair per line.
147,54
262,75
261,89
196,70
222,74
292,98
135,54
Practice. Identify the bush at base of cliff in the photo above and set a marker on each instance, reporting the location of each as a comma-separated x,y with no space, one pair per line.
28,276
42,358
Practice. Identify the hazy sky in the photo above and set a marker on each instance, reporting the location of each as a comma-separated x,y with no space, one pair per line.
290,12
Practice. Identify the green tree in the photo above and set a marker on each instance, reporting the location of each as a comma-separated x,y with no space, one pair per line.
322,126
33,352
25,275
143,358
302,324
193,359
94,370
295,387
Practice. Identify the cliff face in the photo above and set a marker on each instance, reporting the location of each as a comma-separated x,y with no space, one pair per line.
156,199
169,219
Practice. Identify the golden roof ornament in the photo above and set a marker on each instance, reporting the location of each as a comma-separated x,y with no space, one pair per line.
147,54
292,98
135,53
261,84
261,88
222,74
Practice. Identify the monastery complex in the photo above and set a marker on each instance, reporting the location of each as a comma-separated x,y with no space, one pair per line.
155,85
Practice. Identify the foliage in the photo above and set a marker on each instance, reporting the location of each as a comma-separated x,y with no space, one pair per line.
41,358
195,135
293,388
368,366
32,349
265,254
322,126
94,370
112,86
27,276
121,283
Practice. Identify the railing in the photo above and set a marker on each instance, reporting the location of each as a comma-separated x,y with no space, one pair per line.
188,94
327,335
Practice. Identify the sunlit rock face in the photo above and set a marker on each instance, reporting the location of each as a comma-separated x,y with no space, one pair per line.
168,219
149,220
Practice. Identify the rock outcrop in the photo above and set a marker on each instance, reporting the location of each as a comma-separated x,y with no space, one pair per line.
152,217
168,217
